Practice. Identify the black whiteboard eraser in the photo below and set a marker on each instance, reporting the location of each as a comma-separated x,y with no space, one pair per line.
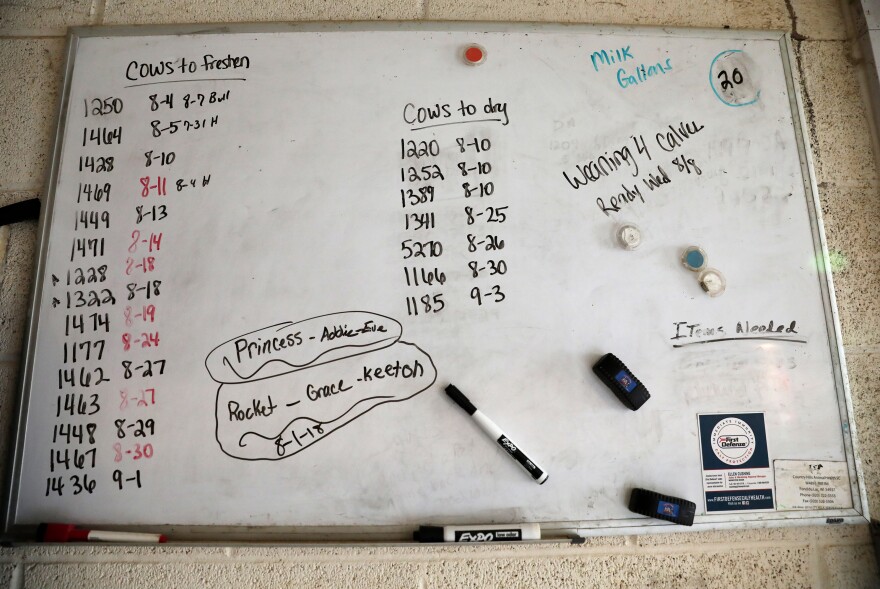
621,381
665,507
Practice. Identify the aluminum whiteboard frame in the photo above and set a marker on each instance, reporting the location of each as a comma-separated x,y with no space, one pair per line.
374,534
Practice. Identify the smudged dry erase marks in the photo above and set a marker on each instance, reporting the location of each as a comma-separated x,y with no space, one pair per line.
732,77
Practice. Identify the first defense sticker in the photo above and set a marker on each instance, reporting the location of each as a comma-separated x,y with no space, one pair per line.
736,464
626,380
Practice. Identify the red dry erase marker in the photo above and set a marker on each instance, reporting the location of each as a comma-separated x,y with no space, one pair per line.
70,533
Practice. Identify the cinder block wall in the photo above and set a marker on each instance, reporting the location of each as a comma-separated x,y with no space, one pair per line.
31,43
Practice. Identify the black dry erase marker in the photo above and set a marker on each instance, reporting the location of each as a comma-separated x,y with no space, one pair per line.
494,432
621,381
666,507
479,533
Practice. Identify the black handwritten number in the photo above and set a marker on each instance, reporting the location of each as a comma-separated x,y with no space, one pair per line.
499,267
433,304
152,289
496,292
172,128
483,189
499,296
88,275
105,106
120,480
496,214
157,212
479,168
54,485
419,149
279,446
430,304
726,83
95,407
87,484
425,173
472,244
479,145
424,195
165,158
421,249
142,426
494,267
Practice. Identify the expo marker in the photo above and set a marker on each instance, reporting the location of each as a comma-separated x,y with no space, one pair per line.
479,533
494,432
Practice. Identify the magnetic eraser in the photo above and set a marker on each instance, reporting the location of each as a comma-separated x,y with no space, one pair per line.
665,507
621,381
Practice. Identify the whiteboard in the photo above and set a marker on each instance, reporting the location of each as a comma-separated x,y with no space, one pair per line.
257,237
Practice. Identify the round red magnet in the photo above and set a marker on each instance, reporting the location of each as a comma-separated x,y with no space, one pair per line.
474,54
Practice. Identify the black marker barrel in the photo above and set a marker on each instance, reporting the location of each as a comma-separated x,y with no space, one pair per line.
495,432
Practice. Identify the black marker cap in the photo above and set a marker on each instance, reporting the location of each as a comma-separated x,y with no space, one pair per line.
428,534
621,381
665,507
462,401
26,210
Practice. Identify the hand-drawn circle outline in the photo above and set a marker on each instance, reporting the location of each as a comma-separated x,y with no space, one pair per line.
387,342
217,422
712,82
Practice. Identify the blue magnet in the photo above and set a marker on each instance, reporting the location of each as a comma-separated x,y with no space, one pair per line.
694,258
